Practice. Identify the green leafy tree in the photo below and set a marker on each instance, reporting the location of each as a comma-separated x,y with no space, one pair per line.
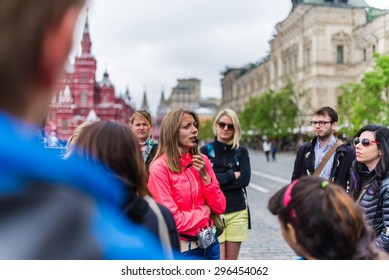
367,101
205,131
274,114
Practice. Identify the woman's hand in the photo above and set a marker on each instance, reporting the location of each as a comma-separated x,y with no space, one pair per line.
199,164
208,209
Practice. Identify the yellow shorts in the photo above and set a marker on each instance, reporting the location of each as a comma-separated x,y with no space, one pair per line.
236,229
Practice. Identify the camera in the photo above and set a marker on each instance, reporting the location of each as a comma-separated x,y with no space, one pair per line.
206,238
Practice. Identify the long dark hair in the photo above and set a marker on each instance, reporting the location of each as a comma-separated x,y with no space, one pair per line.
116,146
328,223
381,134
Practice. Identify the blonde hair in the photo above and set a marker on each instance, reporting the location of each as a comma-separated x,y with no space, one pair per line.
74,138
144,115
168,138
235,121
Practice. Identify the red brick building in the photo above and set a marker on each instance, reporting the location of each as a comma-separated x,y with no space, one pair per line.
79,97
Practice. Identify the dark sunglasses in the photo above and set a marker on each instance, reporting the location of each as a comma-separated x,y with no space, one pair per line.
222,125
365,142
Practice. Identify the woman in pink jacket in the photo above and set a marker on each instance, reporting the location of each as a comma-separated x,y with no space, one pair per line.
182,179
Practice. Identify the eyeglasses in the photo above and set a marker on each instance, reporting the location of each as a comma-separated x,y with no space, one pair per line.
320,123
222,125
365,142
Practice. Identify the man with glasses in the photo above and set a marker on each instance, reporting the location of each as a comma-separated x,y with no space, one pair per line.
309,156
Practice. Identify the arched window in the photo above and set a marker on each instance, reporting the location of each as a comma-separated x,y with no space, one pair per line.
339,54
64,125
83,97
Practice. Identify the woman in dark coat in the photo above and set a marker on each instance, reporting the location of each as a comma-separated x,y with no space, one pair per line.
369,184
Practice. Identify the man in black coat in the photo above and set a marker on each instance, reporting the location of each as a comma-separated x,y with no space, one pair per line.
309,155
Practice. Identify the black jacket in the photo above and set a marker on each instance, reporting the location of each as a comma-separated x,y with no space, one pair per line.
139,211
340,172
151,156
225,161
375,202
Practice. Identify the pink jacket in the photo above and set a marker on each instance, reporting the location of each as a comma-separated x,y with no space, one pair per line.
185,195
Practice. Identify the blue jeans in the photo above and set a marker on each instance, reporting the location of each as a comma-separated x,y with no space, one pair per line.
211,253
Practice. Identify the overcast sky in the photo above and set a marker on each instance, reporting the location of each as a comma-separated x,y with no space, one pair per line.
152,43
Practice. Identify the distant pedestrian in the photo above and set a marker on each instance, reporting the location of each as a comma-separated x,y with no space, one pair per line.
274,149
325,156
320,221
267,148
231,164
370,179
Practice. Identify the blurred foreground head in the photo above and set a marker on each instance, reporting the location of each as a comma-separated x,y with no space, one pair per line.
36,38
320,221
55,209
116,147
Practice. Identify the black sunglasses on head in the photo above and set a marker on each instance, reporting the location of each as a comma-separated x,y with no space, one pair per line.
365,142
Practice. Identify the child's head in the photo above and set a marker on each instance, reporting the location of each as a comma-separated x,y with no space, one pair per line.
320,221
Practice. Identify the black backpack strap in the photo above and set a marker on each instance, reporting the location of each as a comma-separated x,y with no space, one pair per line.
248,208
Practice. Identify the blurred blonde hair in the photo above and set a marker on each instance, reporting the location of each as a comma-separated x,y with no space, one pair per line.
144,115
73,139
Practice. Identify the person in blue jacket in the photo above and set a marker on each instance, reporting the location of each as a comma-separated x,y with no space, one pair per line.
51,208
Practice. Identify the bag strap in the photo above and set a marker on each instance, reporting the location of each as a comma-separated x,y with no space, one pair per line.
361,194
162,227
364,191
326,158
248,208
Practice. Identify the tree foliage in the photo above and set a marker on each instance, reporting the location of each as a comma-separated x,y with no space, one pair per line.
367,101
273,114
205,131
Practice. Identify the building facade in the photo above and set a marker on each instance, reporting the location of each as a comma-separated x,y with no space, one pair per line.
79,97
319,46
186,94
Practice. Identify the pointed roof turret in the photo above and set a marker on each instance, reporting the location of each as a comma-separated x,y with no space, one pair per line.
92,116
106,82
66,96
162,102
145,105
86,43
127,94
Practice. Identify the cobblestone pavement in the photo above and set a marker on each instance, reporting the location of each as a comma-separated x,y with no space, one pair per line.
265,241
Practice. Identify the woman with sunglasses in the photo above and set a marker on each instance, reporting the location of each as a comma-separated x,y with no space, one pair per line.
369,184
320,221
231,164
